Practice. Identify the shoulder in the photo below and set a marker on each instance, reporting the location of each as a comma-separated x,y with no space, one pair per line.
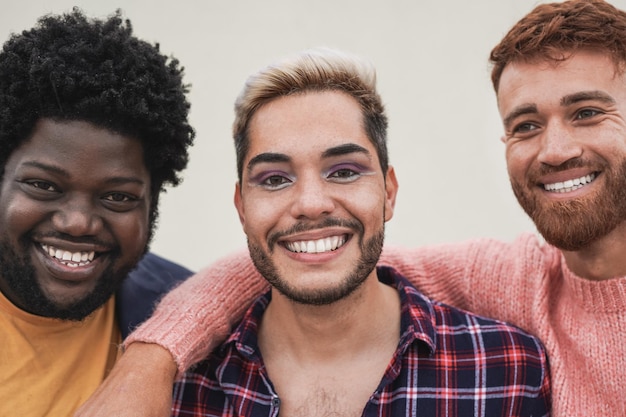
461,329
155,271
503,350
477,351
491,331
151,279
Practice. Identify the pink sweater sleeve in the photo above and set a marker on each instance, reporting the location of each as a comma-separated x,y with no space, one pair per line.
438,271
196,316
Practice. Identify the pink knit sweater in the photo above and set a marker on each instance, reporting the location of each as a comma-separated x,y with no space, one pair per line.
582,323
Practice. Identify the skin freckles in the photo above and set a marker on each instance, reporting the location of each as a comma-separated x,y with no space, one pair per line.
77,191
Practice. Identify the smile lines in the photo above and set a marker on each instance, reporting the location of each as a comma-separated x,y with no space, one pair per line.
71,259
569,185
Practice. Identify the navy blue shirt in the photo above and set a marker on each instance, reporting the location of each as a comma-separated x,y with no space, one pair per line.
145,285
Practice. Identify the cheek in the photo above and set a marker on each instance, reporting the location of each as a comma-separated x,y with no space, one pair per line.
19,216
518,158
131,231
261,217
367,206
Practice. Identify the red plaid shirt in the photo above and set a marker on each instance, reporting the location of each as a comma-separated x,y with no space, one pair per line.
448,363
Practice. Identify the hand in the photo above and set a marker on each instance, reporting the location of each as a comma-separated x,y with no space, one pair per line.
140,385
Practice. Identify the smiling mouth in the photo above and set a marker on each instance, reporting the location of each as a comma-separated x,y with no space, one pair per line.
570,185
71,259
327,244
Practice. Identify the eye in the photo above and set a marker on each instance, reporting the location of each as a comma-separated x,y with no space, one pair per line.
522,131
348,172
120,202
42,185
119,197
344,174
275,182
586,114
524,128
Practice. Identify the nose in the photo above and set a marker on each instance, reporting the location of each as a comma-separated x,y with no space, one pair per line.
77,217
559,145
313,198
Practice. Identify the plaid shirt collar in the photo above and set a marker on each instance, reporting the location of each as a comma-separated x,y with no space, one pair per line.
417,320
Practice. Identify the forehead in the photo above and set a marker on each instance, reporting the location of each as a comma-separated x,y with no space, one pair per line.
547,82
81,149
307,123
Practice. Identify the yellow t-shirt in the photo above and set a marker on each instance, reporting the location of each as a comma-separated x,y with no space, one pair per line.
49,367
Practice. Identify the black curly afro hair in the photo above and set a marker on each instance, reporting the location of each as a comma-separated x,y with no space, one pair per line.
70,67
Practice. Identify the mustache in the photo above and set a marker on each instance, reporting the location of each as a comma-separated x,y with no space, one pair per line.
569,164
73,239
306,226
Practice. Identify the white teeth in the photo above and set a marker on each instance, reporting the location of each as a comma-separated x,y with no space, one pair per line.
317,246
71,259
569,185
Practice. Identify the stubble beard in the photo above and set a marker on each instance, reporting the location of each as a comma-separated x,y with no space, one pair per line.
370,254
575,224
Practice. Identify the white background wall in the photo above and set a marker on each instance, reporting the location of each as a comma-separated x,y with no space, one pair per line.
433,76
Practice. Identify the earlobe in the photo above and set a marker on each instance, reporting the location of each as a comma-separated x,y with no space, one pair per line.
391,191
239,203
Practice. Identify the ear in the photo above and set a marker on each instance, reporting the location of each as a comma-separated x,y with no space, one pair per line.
503,139
391,191
239,204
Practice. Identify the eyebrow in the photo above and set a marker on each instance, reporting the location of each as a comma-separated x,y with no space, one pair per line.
345,149
587,95
46,167
267,157
60,171
519,111
565,101
273,157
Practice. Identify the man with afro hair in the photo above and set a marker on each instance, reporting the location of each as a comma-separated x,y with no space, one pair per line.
93,126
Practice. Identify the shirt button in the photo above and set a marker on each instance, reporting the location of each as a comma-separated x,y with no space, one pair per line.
275,402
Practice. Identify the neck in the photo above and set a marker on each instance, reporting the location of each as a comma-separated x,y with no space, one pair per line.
601,260
367,318
327,360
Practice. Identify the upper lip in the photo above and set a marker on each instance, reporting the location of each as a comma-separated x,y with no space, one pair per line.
70,246
563,176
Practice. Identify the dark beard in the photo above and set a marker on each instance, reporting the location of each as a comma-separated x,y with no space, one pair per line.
371,250
575,224
19,274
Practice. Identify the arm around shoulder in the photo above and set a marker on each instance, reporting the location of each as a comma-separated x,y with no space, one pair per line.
196,316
